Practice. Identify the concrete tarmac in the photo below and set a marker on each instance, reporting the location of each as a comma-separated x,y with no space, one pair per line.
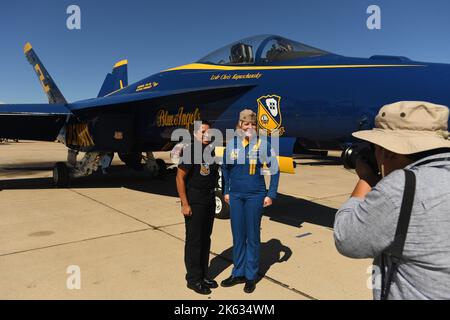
124,233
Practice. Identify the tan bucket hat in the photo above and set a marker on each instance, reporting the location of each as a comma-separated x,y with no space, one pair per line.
408,127
247,115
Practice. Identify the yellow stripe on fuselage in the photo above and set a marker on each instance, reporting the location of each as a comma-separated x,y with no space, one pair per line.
202,66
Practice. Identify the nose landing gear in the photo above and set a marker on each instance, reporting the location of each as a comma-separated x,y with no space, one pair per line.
61,176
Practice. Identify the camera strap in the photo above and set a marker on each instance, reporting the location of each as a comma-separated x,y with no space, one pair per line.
395,251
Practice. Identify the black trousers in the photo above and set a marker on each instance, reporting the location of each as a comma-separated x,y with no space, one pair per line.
198,235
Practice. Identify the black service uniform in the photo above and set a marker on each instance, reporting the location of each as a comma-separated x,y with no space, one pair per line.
201,181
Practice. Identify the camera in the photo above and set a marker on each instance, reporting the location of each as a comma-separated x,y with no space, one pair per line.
362,151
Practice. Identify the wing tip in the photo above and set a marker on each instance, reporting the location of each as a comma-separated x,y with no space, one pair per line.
27,47
121,63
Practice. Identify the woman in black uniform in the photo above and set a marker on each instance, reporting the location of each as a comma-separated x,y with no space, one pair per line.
195,185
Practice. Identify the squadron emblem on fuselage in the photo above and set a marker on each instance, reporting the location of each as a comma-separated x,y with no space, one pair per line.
269,114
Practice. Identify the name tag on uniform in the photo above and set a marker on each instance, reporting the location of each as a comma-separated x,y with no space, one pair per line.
253,154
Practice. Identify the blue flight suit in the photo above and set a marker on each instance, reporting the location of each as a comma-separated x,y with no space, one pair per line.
243,180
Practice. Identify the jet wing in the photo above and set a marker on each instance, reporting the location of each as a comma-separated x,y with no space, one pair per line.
40,122
120,99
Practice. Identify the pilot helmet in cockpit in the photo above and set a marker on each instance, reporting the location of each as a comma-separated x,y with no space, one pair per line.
241,53
279,48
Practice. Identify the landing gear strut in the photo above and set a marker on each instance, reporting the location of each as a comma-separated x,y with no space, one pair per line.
162,168
147,162
132,160
156,167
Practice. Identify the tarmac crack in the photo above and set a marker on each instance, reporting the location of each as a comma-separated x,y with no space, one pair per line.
76,241
124,213
114,209
170,225
330,197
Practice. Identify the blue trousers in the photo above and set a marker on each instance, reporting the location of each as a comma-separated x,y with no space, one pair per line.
245,213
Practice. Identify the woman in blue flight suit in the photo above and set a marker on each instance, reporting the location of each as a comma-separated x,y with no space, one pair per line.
246,158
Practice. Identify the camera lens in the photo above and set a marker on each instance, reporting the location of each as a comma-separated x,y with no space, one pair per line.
364,152
349,156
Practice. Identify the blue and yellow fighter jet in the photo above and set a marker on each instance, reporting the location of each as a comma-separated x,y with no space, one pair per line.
313,98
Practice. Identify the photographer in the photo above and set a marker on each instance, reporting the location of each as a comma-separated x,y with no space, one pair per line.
412,253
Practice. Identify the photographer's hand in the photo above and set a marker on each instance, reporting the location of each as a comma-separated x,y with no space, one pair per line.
367,179
365,172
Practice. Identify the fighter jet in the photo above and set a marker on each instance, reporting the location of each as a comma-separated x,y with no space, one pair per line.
311,97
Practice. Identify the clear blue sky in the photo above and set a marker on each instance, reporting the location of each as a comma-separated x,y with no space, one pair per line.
154,35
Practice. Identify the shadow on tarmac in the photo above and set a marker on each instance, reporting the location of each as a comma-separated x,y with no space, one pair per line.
118,177
272,251
295,211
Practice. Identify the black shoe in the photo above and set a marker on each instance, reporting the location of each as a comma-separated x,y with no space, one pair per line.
210,283
231,281
199,287
250,286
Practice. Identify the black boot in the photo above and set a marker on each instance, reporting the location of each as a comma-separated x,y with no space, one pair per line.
210,283
199,287
250,286
231,281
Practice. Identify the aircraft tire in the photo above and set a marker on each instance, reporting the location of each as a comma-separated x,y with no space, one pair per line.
61,175
222,208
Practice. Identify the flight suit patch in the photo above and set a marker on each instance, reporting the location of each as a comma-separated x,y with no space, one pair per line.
234,154
204,169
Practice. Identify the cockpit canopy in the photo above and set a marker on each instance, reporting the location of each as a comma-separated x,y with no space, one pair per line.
261,49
